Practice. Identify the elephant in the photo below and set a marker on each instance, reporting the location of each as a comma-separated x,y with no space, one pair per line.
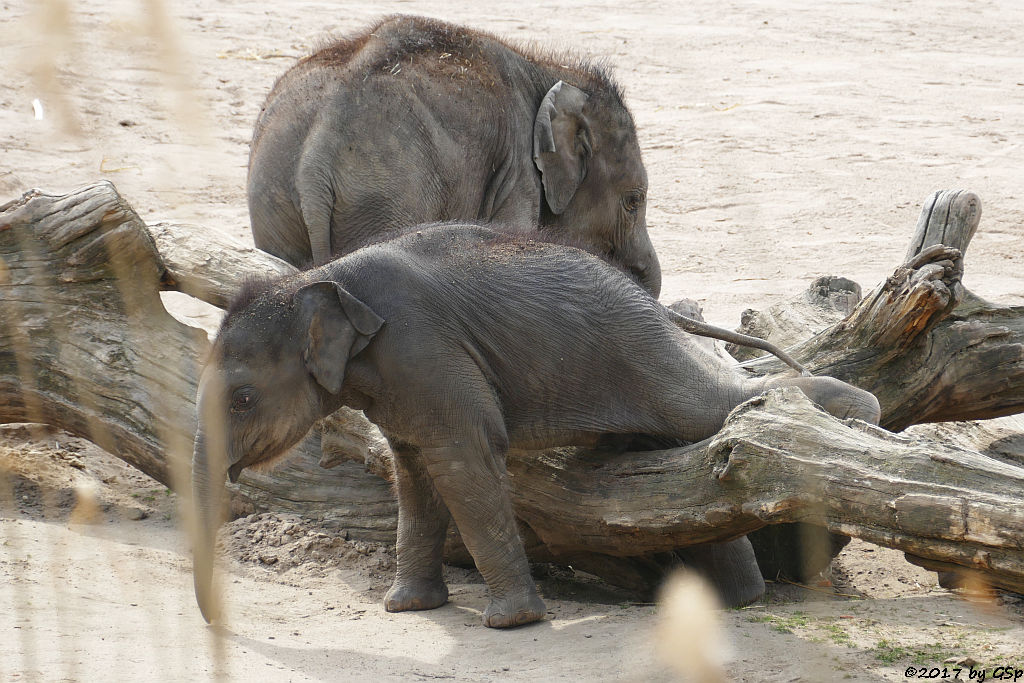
460,342
414,121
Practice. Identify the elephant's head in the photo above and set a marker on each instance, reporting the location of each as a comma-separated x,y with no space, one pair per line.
276,367
595,184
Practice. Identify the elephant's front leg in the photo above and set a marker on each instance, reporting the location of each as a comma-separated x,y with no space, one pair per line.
422,525
472,482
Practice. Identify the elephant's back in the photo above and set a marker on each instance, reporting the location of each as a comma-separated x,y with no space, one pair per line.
399,61
563,339
516,292
490,267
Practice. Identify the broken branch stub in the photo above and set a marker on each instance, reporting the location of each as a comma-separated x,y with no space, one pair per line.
929,350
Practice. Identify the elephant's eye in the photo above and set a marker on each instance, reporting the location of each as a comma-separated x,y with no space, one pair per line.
243,399
632,201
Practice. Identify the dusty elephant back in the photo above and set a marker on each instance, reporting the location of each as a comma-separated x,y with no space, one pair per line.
415,121
447,58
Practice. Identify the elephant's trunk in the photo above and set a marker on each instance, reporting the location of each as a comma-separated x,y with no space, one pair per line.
650,277
207,492
642,261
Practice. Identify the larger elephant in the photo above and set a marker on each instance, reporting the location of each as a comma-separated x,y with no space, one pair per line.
460,342
414,120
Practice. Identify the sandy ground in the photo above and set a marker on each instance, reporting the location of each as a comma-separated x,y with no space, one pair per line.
783,139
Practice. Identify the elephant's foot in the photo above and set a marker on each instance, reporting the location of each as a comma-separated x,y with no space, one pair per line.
797,550
515,609
410,594
952,580
730,567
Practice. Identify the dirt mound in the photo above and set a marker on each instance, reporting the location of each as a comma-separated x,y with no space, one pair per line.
281,542
47,474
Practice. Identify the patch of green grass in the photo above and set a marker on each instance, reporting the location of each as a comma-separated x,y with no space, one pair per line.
838,635
151,495
889,652
924,655
782,623
932,655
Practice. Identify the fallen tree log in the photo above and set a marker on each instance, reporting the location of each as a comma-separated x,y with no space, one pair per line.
86,345
780,459
929,350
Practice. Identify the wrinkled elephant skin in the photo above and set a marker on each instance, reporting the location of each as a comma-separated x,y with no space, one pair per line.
461,342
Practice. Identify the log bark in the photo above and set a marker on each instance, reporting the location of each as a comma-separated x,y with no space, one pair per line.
780,459
206,265
86,345
85,342
956,356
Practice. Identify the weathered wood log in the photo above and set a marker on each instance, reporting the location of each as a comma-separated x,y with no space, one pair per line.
779,459
85,342
86,345
956,356
204,264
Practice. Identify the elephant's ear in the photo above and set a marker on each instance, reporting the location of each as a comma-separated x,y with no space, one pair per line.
340,326
562,144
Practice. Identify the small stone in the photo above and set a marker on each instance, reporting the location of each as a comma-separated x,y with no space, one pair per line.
137,514
268,559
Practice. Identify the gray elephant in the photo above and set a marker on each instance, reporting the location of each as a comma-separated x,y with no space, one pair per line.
459,342
414,121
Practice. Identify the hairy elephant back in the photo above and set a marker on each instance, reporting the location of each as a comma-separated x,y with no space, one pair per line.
415,120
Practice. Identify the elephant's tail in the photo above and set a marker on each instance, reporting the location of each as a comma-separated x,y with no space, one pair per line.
703,329
316,204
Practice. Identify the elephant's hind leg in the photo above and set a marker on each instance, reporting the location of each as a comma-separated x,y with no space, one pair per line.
837,398
422,525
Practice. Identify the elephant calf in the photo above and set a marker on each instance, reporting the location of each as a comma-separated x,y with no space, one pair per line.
460,342
414,120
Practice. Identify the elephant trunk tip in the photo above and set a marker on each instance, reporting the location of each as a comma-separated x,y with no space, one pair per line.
648,276
204,578
208,601
210,613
